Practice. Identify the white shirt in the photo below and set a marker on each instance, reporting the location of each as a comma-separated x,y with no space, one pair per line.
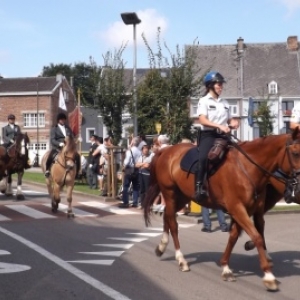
216,111
63,129
295,118
128,161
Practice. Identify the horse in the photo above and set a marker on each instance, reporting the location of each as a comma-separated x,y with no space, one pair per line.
238,187
15,161
62,174
276,190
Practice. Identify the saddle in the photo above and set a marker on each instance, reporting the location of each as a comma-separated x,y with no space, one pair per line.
216,157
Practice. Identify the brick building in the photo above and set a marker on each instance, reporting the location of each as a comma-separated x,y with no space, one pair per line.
35,103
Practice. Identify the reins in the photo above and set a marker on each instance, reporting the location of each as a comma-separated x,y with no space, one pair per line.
230,137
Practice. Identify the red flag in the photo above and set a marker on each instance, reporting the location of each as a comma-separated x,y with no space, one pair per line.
74,121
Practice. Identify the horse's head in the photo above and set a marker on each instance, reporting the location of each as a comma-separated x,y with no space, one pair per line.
69,152
292,163
22,141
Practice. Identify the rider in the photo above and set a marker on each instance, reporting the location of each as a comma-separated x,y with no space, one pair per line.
9,133
214,114
57,138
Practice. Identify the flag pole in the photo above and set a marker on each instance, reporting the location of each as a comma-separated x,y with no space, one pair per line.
79,120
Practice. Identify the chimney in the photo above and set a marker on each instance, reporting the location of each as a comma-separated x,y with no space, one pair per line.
59,77
292,43
240,45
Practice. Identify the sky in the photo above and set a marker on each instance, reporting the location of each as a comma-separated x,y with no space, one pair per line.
36,33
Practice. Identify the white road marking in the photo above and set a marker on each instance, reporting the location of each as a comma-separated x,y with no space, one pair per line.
133,240
78,212
109,208
3,218
186,225
4,252
12,268
123,246
28,211
149,234
68,267
156,228
105,253
93,262
30,192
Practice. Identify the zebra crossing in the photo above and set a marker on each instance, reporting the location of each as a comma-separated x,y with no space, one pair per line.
10,212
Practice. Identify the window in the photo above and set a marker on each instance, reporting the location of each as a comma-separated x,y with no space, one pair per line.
193,108
287,107
30,119
286,127
66,95
233,107
40,146
273,88
89,133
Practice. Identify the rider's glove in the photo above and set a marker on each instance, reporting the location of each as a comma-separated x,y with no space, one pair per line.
12,141
61,144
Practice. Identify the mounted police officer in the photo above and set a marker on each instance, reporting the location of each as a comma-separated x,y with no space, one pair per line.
57,138
214,114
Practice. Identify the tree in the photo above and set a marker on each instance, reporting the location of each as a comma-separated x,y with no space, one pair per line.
264,118
163,95
112,98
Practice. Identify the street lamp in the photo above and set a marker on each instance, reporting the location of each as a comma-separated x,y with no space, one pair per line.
132,19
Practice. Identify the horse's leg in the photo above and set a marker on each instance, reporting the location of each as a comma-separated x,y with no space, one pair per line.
241,217
227,273
162,246
3,184
171,200
69,190
19,194
8,191
55,197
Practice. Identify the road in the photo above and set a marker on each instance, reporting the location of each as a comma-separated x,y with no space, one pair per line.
108,253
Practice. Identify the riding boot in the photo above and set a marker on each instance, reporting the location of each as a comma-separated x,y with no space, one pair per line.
49,163
201,193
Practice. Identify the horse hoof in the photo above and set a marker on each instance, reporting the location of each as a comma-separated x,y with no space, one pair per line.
271,285
228,277
249,246
70,215
184,267
20,197
158,252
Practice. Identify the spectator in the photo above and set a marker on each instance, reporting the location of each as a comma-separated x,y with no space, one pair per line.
143,164
163,141
131,157
207,222
91,176
142,141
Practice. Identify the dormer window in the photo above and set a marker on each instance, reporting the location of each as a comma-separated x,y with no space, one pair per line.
273,88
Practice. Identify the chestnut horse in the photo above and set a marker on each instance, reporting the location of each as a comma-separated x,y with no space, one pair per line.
15,161
62,174
238,186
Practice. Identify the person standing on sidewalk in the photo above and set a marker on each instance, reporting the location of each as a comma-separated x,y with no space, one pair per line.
207,222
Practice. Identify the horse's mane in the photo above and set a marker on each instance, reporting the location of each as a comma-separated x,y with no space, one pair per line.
70,145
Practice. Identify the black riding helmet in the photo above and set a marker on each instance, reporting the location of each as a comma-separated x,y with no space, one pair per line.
61,116
11,117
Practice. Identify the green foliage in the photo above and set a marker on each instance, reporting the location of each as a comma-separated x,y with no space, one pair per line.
112,93
264,118
163,95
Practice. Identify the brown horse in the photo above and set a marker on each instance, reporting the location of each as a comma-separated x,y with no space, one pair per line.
239,187
62,174
274,193
15,160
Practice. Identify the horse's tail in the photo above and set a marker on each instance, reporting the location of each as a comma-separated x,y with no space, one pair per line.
152,191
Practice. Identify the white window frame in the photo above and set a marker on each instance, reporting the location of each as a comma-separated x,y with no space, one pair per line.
273,88
30,119
39,146
194,107
66,95
88,133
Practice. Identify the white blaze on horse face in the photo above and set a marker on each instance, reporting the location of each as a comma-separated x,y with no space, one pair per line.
23,147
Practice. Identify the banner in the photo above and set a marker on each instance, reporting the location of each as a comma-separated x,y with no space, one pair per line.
75,120
250,112
62,103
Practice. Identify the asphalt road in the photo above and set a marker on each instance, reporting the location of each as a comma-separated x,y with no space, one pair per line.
108,253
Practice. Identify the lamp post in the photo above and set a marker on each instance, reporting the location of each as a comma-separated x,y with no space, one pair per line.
37,126
131,18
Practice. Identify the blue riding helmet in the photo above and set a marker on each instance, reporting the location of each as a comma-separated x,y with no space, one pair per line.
212,78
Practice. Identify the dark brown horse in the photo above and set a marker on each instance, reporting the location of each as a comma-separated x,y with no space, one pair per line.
62,174
239,187
15,160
